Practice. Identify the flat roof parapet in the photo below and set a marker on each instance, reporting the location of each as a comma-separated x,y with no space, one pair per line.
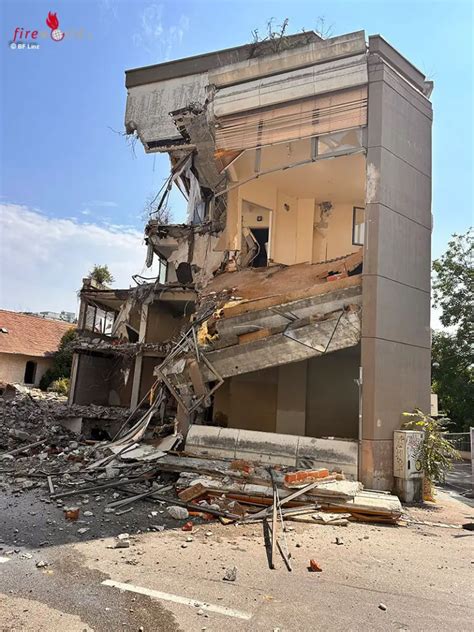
210,61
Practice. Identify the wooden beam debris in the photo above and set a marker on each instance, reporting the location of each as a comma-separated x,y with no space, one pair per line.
24,448
50,485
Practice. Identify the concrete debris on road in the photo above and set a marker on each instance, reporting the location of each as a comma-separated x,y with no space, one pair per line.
41,564
189,488
230,574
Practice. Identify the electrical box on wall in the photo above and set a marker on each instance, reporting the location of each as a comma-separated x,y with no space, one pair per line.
406,447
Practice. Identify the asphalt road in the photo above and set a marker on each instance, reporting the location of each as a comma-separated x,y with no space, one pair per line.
422,575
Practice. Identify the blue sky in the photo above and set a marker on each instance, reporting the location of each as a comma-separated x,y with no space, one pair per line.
62,111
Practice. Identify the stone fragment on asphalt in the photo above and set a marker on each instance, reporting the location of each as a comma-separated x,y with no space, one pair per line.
178,513
230,574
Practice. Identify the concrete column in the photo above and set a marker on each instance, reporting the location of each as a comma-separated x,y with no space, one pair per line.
396,277
73,378
137,378
137,374
291,399
143,323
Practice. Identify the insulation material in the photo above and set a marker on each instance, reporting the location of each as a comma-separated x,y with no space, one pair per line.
300,119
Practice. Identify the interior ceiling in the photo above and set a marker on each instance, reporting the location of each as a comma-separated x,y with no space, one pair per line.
336,179
340,179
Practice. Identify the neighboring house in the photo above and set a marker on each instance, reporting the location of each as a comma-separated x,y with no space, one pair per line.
27,344
305,260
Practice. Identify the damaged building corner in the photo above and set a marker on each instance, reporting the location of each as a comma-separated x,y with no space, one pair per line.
289,323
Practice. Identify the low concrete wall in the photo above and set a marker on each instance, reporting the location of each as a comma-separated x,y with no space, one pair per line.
274,448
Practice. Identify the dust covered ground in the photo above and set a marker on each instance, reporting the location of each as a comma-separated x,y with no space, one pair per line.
410,577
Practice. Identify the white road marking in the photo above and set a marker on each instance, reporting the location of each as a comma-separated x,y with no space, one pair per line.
156,594
4,559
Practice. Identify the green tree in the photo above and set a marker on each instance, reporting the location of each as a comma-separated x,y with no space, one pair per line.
62,360
453,379
101,275
453,286
453,351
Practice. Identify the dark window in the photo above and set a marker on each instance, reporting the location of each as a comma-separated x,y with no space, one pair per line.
358,225
30,372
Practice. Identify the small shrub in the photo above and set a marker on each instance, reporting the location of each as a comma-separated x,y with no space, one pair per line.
436,453
60,386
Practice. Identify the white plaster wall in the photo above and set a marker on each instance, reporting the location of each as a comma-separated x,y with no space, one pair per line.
12,367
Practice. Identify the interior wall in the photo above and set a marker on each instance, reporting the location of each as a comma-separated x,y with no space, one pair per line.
291,403
100,381
254,216
147,378
332,401
316,398
304,230
248,401
162,323
293,197
121,383
335,240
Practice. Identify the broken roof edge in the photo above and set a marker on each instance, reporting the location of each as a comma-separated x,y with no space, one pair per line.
380,46
197,64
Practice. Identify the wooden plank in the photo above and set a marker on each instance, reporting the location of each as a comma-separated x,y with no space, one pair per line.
149,493
274,527
280,299
254,335
289,499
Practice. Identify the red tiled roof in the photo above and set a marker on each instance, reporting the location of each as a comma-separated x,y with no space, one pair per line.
30,335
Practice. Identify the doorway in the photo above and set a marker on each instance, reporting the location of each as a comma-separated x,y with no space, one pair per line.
256,221
261,237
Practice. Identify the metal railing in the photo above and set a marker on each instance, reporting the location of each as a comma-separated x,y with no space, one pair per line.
459,440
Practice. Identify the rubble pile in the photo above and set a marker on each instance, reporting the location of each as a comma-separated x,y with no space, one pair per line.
29,415
34,445
138,465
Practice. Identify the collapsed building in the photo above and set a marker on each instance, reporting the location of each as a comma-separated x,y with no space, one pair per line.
291,315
